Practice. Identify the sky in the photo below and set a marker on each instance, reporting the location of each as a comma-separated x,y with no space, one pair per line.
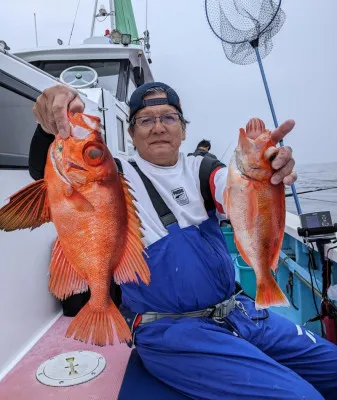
217,96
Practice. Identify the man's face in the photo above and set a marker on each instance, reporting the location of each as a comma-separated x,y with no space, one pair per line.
203,148
158,144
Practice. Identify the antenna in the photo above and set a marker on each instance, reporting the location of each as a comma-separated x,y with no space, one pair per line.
146,8
72,28
37,43
93,19
147,36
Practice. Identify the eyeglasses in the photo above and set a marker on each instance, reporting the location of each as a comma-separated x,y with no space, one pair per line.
165,119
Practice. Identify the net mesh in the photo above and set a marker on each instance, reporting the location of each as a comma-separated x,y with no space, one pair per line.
243,24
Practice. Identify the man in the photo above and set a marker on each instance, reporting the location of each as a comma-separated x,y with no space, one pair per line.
204,145
230,351
203,148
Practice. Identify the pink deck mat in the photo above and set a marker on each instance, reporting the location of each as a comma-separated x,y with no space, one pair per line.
21,384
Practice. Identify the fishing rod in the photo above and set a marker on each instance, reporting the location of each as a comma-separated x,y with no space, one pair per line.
312,191
225,152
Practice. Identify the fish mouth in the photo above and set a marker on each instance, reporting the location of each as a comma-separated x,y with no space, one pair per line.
248,177
56,169
71,164
245,173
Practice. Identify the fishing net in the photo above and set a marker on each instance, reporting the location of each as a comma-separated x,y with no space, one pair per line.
246,29
245,25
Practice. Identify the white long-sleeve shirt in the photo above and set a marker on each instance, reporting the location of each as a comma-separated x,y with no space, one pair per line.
179,187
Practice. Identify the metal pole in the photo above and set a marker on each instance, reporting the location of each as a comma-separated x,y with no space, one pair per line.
267,89
112,14
146,12
37,43
256,48
93,19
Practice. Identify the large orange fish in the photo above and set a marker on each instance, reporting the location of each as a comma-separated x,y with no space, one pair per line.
89,203
256,209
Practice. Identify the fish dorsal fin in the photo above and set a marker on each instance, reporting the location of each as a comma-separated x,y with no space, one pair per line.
27,208
132,262
64,280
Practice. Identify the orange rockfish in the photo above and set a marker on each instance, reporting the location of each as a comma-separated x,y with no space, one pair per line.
99,235
256,209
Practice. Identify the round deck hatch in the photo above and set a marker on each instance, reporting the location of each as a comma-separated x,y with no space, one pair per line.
73,368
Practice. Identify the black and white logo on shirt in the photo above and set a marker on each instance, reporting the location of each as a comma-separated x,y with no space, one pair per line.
180,196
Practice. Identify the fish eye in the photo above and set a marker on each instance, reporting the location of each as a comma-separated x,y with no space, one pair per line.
60,147
93,153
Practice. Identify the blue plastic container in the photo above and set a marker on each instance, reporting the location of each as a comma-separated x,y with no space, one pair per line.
302,306
246,276
227,228
229,237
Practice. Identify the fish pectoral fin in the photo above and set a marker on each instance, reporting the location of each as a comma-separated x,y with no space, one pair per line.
254,208
78,201
226,198
243,254
27,208
132,264
64,280
277,244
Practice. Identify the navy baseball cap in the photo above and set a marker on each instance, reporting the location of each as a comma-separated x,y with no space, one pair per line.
137,101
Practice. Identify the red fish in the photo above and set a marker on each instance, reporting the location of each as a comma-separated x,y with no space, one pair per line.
256,209
99,235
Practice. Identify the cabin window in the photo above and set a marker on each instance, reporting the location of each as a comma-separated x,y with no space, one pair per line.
17,122
121,135
107,70
131,86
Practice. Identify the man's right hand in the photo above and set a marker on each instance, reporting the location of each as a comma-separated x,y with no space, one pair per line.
51,107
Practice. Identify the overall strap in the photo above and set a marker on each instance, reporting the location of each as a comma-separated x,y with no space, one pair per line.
118,165
165,214
207,166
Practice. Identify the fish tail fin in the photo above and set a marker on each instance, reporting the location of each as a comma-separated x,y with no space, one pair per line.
268,293
96,326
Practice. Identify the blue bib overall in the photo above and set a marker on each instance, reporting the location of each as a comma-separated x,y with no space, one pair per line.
249,355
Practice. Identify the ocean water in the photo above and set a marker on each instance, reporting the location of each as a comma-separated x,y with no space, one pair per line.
312,177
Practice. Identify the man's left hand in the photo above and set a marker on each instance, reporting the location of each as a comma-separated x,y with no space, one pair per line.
283,162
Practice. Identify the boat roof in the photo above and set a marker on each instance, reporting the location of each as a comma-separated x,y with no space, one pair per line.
98,48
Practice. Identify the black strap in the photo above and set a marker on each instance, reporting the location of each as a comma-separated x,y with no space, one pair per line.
207,166
165,214
38,152
119,165
155,102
